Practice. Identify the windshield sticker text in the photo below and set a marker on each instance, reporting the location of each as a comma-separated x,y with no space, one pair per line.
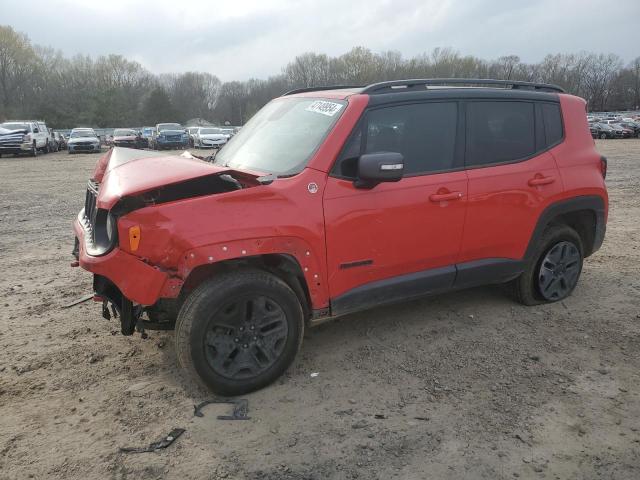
325,108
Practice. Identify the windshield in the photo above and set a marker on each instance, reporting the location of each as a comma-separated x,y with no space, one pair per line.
282,136
169,126
82,134
207,131
123,132
15,126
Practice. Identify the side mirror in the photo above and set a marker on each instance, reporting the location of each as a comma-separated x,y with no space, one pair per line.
374,168
36,130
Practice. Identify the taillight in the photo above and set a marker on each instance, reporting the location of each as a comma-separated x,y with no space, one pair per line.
603,166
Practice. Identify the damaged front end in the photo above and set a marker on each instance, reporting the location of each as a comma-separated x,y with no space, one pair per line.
133,284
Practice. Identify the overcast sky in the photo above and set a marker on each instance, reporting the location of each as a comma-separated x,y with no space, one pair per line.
236,39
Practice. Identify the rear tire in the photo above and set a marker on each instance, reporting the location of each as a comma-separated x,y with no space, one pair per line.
603,136
239,331
553,271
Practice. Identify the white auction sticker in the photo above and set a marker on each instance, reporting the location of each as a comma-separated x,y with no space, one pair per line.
324,107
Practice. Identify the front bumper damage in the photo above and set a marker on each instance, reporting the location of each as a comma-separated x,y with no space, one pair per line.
124,283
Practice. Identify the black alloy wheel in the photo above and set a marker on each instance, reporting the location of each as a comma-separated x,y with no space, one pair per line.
245,337
559,271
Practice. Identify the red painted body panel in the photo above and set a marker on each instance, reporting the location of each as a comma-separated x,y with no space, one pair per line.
504,209
283,217
138,281
395,225
578,160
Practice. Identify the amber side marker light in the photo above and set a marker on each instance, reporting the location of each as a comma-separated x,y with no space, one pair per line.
134,238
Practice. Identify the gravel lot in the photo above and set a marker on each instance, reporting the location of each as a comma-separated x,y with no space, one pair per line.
466,385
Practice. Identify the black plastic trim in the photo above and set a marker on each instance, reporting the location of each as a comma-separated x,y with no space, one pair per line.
486,271
591,203
440,82
395,289
460,94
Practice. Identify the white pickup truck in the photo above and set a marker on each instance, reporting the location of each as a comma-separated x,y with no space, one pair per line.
24,136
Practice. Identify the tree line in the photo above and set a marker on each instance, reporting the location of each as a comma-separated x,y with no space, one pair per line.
109,91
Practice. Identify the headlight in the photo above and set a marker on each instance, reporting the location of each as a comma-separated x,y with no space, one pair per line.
110,227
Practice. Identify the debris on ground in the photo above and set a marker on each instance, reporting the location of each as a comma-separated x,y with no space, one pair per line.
78,301
240,409
160,444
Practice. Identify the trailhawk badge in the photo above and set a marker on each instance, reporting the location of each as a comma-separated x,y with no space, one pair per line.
312,187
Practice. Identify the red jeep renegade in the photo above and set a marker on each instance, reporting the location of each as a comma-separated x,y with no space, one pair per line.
331,201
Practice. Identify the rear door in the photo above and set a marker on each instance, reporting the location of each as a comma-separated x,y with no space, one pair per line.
395,230
512,176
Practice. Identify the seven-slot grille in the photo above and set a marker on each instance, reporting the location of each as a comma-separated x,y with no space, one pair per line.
90,209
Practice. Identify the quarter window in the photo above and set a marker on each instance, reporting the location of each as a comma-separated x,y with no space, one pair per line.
499,132
552,123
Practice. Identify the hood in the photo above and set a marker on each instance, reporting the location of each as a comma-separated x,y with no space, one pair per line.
124,137
83,139
213,136
171,132
4,131
126,173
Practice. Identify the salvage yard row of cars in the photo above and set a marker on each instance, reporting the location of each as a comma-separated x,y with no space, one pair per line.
31,137
614,126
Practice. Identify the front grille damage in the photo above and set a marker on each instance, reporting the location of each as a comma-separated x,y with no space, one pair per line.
90,209
99,237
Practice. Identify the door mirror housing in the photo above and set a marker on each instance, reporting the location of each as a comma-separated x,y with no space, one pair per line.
374,168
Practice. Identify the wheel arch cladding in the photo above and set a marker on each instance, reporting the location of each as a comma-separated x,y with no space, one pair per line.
585,214
282,265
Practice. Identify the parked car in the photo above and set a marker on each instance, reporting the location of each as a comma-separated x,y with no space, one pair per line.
61,139
620,131
53,145
145,137
169,135
24,137
330,202
209,137
127,137
228,132
191,131
83,140
602,130
634,127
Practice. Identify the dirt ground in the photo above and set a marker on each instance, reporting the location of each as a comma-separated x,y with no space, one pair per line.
463,386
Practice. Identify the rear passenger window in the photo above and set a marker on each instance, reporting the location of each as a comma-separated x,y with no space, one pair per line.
425,134
552,123
499,132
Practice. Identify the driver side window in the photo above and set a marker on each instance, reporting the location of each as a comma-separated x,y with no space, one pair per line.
424,133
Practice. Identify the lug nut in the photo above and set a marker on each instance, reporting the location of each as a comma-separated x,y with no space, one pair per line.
236,340
242,329
252,327
255,338
245,346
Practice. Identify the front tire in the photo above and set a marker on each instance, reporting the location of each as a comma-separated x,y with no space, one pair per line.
553,271
239,331
603,136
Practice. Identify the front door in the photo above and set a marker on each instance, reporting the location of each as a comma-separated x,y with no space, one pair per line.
398,239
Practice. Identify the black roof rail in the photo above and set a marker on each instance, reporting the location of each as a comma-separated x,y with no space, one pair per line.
320,89
404,85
